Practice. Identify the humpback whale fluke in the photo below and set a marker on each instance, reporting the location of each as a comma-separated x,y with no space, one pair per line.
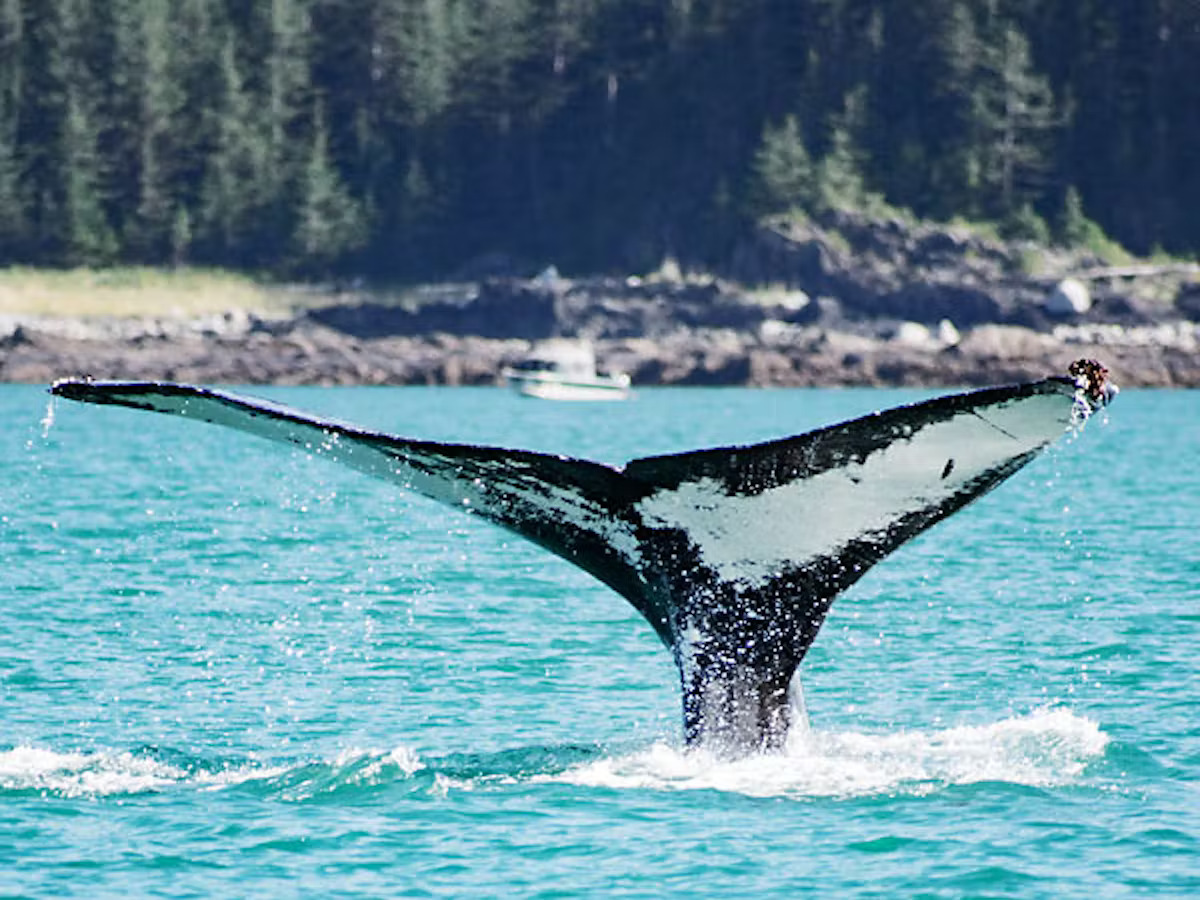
733,554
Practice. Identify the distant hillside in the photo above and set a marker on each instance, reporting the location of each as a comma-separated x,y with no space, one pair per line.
395,139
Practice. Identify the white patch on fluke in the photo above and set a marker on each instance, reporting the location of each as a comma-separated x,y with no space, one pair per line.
751,538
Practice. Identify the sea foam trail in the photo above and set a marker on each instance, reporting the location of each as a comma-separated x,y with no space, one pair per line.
103,773
78,774
1046,748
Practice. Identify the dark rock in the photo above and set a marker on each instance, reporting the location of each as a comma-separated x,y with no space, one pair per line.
867,277
15,338
1187,301
501,308
930,303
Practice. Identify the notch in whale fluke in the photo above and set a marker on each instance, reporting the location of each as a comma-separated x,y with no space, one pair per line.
733,554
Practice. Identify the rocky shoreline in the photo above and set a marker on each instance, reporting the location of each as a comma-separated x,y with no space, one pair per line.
852,301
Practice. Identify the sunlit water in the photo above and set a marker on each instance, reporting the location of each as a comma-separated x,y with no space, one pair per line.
231,670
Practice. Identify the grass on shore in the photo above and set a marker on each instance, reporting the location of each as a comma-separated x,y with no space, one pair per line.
140,291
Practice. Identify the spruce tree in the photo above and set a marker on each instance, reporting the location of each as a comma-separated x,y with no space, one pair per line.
14,237
839,175
88,238
1075,229
1014,113
232,197
41,115
155,141
783,177
286,89
13,227
197,35
418,43
330,224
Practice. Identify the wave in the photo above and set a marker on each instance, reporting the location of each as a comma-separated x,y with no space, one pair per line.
29,769
103,773
1046,748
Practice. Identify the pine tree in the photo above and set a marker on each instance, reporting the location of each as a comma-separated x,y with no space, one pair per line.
13,226
839,175
1076,230
197,35
88,238
181,236
153,143
1014,112
287,90
330,223
40,119
418,41
287,82
232,198
783,177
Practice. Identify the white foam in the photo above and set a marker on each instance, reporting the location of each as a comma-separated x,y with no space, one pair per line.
95,774
373,763
105,772
1045,748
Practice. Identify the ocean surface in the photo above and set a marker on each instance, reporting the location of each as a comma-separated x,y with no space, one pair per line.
230,670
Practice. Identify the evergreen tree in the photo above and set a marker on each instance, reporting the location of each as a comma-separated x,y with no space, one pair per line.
954,150
783,171
13,226
287,88
154,141
232,197
330,224
1075,229
1014,112
181,236
41,114
88,238
287,82
839,177
418,45
348,60
599,133
197,38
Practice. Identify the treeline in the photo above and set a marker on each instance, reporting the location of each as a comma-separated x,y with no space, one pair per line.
400,138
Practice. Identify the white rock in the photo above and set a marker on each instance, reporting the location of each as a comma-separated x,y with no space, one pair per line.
947,333
913,334
1070,297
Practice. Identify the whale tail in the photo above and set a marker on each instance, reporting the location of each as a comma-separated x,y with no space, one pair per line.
732,554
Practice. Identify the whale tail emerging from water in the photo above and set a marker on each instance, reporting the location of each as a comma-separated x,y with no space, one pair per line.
733,554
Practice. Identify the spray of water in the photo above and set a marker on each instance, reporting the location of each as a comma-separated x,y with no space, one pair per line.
1046,748
46,422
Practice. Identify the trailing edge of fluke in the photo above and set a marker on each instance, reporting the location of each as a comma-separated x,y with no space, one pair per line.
733,554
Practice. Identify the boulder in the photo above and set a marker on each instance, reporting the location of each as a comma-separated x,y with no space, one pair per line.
1070,297
1187,301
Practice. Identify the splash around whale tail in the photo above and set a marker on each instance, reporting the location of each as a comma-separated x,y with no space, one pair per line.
733,554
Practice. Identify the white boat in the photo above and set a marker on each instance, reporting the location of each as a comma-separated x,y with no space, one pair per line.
565,370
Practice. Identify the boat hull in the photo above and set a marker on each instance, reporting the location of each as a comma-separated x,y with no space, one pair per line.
570,391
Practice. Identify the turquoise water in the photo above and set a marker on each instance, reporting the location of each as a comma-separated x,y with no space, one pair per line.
231,670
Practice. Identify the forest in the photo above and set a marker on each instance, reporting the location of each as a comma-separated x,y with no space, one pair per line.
402,139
